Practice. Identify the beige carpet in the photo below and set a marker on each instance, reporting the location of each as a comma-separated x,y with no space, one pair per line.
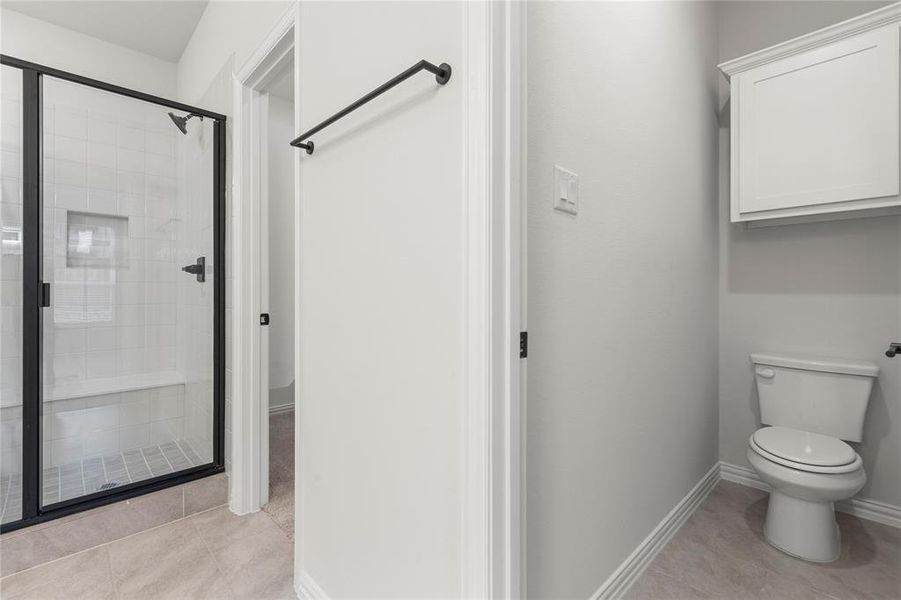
281,471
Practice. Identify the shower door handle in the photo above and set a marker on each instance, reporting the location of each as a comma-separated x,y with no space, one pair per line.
198,269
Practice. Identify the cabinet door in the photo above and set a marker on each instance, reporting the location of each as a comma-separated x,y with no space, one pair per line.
820,127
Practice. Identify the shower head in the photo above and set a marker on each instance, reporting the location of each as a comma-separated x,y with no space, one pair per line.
182,122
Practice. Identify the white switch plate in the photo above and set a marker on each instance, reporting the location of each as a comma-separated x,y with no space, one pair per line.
566,191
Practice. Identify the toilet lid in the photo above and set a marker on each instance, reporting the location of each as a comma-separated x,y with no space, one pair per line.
804,447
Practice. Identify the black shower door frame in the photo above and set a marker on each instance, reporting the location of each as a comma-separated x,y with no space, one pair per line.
34,302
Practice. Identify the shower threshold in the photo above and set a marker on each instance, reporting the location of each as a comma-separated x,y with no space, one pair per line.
100,473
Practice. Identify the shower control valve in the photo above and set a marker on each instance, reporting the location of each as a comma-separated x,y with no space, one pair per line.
198,269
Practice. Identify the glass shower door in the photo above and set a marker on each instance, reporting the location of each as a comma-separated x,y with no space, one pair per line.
128,248
11,295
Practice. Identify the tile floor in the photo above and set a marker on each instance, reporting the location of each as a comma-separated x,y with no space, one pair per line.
213,554
720,553
99,473
193,551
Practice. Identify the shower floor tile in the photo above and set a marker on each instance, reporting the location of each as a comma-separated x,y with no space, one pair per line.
96,474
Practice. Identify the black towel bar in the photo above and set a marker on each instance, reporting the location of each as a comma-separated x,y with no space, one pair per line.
442,75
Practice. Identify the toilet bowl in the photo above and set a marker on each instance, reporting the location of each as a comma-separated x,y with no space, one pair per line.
813,406
807,474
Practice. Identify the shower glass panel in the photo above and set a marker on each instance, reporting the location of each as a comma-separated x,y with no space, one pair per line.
11,295
128,250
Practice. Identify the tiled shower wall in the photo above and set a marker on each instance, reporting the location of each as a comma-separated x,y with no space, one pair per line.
128,348
110,155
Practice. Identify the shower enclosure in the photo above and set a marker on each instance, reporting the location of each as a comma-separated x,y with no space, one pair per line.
112,271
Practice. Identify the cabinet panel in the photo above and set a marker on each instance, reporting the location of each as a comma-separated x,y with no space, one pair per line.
819,127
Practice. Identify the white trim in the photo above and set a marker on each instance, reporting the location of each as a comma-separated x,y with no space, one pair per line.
632,568
249,410
491,521
306,587
741,475
827,35
863,508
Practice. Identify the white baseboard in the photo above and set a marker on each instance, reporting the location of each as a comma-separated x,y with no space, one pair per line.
307,588
632,568
617,584
863,508
281,408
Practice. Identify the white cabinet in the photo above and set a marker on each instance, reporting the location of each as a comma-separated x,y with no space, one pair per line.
815,123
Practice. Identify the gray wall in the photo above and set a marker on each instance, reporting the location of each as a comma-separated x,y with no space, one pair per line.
622,395
826,288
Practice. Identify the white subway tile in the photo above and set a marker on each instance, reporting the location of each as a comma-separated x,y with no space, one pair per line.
102,155
130,160
160,143
100,364
68,197
130,183
130,137
67,450
134,413
103,178
101,443
70,123
100,338
68,172
102,131
131,438
68,341
69,149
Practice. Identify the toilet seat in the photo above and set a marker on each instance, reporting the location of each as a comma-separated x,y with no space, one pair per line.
804,450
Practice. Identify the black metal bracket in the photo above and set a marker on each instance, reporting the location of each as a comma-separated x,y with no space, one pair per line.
523,344
442,75
893,349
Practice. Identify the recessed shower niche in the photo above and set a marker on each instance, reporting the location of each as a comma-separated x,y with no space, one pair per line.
113,343
96,241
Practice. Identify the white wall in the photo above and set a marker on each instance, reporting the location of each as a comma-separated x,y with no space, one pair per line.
47,44
226,29
622,298
832,289
281,245
381,289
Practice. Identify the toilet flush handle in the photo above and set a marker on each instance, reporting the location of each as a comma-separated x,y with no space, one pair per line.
893,349
766,372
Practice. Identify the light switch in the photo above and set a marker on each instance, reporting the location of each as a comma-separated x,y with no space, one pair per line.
566,191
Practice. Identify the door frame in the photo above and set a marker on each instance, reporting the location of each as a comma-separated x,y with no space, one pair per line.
494,303
493,412
249,477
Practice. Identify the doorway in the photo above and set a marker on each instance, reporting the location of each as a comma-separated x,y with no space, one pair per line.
265,341
277,293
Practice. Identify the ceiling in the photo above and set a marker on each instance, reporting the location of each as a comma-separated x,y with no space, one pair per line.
160,28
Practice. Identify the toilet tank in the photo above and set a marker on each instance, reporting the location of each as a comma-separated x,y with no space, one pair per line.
822,395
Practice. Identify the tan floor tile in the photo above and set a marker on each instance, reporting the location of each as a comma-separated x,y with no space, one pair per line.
654,584
34,547
721,551
253,552
206,493
168,562
85,575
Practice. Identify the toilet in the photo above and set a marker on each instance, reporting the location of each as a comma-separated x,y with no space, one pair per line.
809,406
